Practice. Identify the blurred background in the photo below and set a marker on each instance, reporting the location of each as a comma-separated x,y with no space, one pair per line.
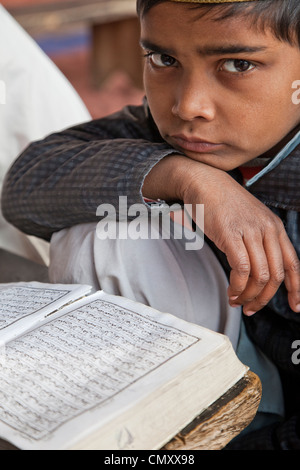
93,42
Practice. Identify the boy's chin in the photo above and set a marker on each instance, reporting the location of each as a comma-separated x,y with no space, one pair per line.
220,162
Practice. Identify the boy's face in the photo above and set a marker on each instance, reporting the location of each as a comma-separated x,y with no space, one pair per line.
219,91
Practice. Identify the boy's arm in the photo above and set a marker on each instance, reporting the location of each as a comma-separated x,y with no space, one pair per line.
253,239
60,181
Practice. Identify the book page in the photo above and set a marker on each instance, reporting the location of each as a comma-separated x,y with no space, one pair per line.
22,303
82,361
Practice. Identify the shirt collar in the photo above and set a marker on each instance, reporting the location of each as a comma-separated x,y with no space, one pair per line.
284,152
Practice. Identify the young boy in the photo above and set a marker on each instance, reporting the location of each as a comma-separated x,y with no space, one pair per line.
219,114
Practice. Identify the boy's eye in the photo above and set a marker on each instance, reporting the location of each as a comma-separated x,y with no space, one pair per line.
237,66
161,60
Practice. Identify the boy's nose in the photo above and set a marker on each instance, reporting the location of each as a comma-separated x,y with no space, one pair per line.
193,100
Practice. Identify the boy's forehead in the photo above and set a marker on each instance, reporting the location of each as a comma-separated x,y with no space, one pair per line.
166,30
246,23
165,13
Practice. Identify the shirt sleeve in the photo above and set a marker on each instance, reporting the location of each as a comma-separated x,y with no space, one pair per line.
60,181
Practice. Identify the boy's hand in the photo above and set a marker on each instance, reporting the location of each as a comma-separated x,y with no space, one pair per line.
254,240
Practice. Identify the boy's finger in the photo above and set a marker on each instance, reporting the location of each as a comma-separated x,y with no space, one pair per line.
283,265
260,273
239,262
250,271
267,274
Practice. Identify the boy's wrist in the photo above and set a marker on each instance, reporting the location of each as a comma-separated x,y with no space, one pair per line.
164,179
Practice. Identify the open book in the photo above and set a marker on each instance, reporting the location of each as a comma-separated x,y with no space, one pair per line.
101,371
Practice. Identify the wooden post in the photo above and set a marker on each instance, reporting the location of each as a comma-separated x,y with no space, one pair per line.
116,47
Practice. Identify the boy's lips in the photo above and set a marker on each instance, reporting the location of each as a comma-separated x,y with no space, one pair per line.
194,144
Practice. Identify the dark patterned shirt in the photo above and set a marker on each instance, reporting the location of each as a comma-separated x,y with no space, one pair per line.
60,181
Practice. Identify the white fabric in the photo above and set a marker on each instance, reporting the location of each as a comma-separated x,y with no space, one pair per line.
160,273
35,100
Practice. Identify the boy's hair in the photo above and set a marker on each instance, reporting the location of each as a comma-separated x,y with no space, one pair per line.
281,16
